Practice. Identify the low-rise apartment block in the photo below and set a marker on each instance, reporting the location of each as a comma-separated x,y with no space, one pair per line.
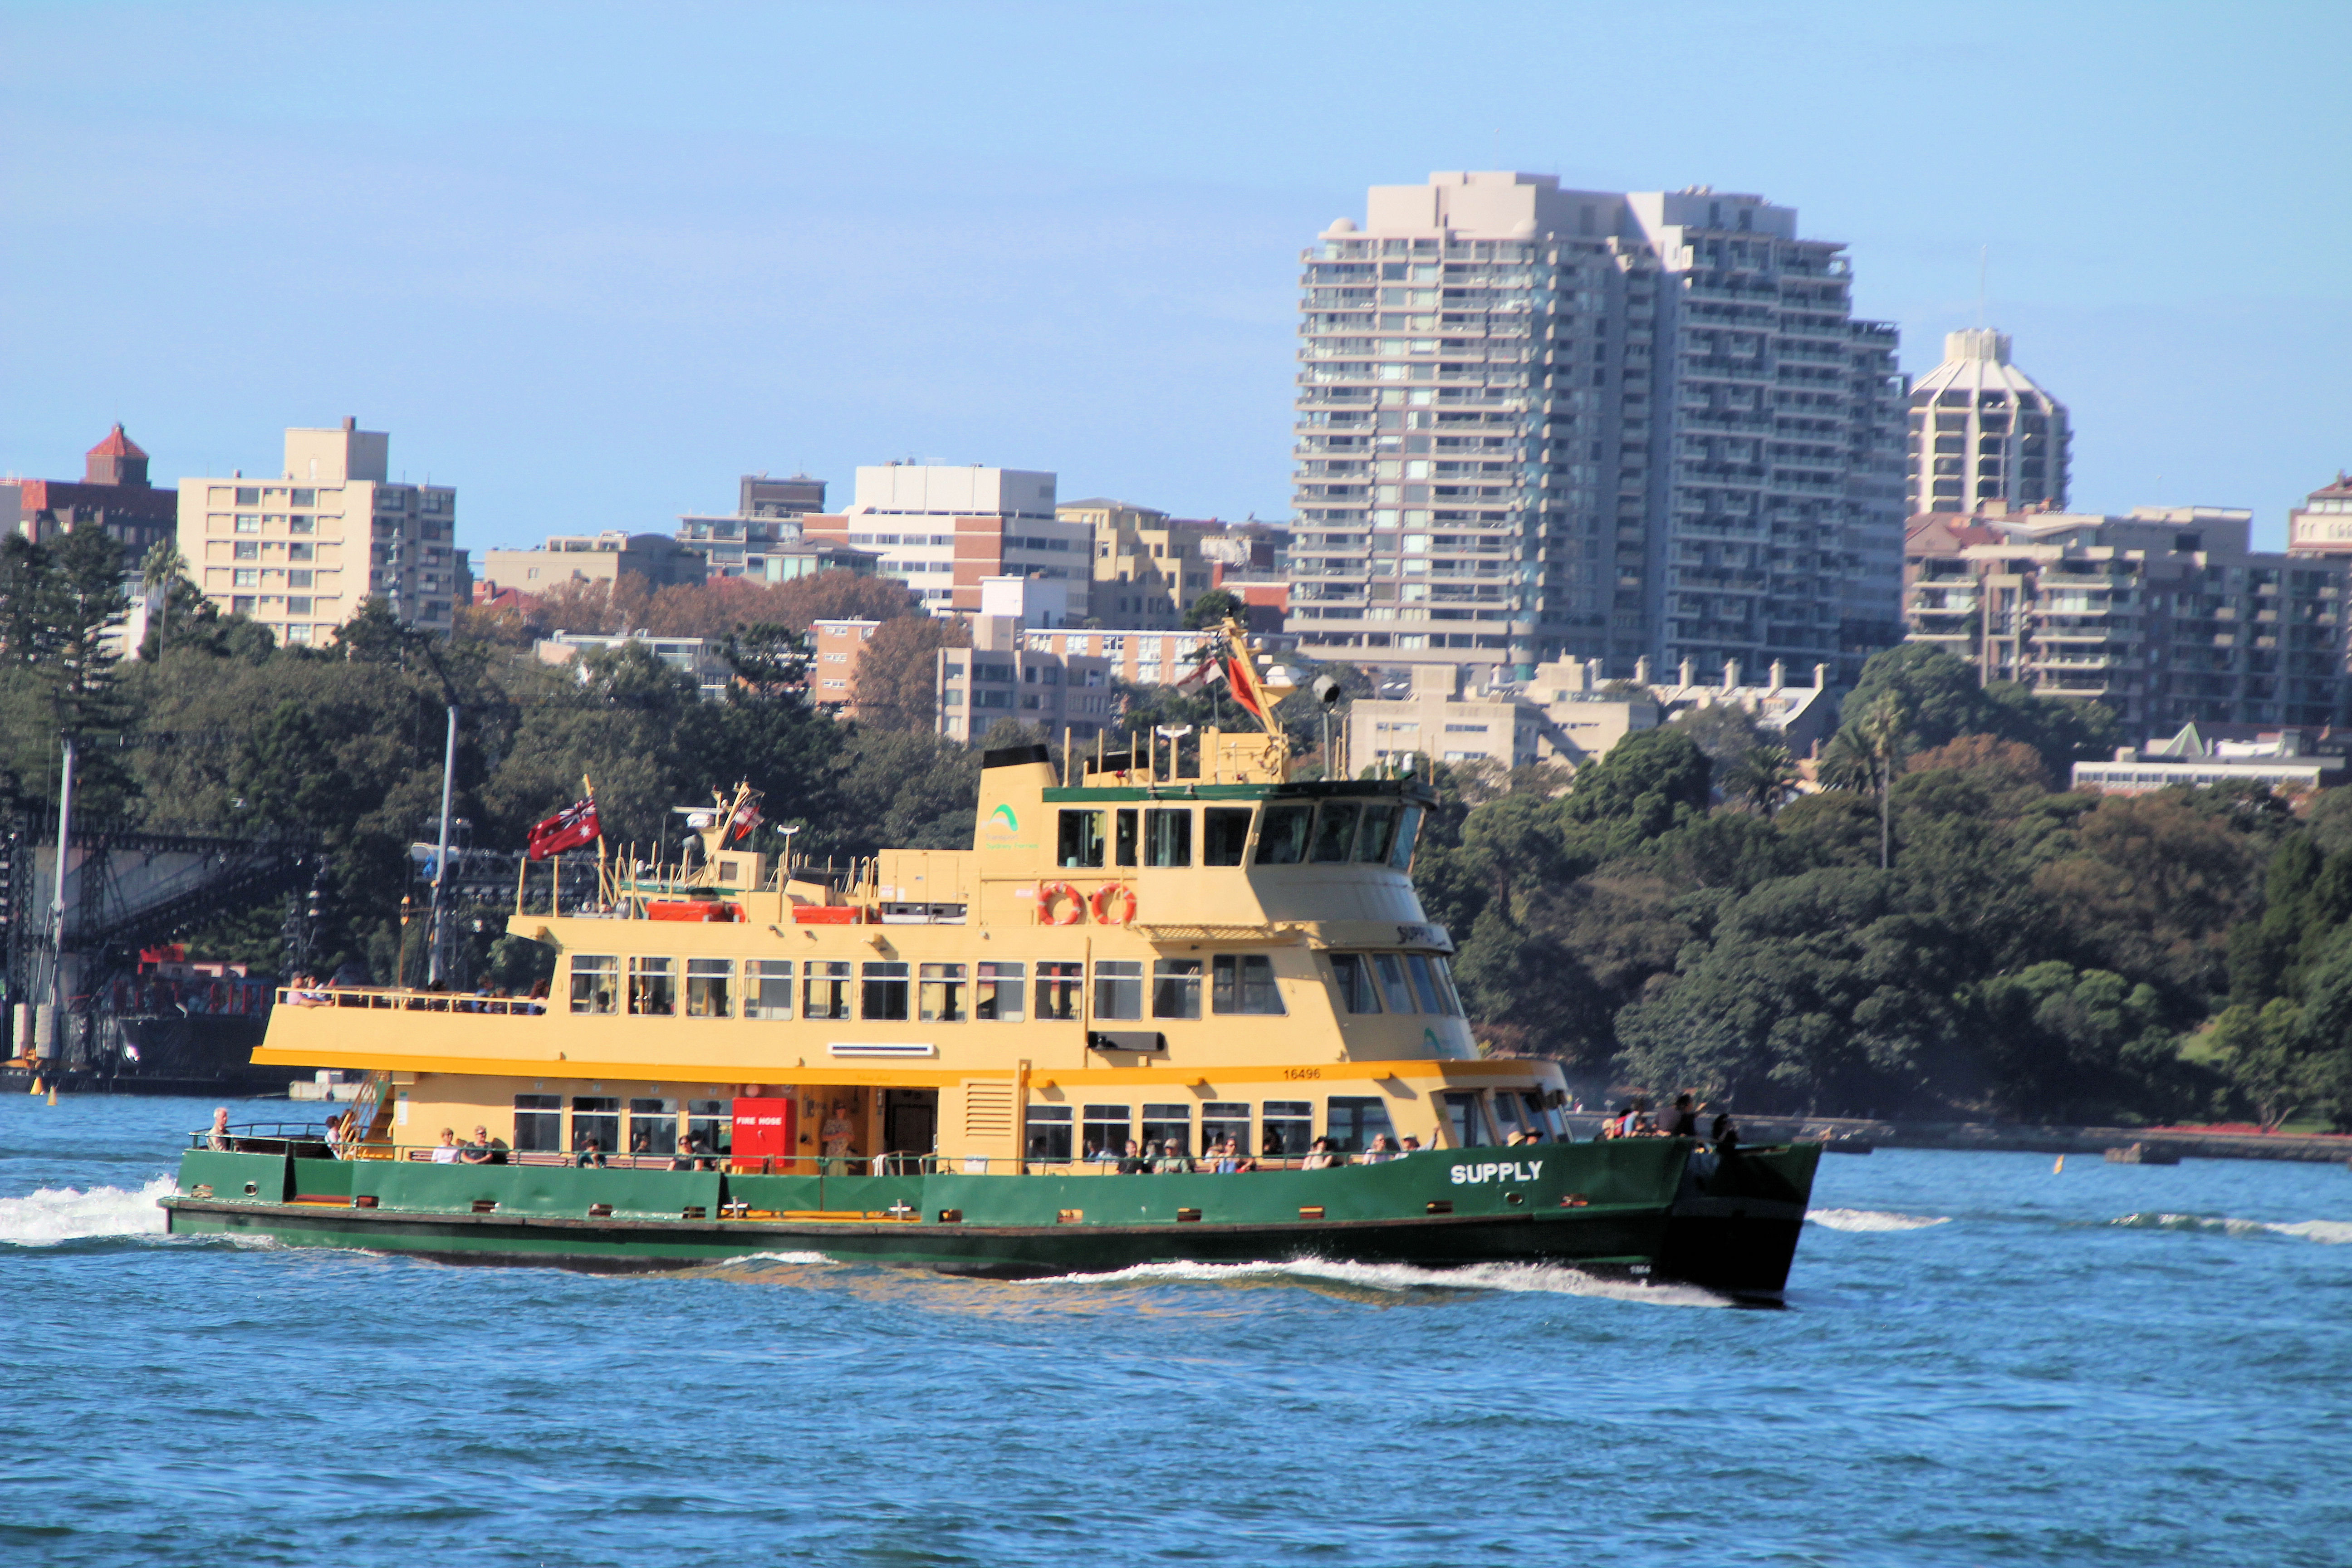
2289,761
1147,566
941,530
762,539
2165,615
696,657
605,558
301,551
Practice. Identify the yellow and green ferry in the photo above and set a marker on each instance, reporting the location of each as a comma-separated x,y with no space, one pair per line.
942,1058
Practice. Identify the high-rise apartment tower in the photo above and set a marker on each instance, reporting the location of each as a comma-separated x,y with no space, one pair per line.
1534,422
1983,433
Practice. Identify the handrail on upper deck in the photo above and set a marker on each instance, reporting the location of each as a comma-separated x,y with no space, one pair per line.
408,999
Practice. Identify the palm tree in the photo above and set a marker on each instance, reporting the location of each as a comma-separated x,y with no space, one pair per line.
1879,739
159,572
1763,780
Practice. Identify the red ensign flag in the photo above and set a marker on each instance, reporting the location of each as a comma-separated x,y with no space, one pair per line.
567,829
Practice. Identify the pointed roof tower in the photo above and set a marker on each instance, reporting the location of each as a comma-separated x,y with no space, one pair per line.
117,460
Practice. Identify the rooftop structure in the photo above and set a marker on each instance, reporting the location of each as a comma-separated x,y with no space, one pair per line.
759,539
604,557
2286,760
941,530
2322,525
112,493
1982,433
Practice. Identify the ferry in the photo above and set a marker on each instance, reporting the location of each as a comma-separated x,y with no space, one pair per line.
1173,1004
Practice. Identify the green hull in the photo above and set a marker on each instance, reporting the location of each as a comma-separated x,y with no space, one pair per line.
1629,1206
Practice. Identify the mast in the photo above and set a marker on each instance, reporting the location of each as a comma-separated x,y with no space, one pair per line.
57,906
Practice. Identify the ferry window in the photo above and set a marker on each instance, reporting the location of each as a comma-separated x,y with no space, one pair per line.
1220,1119
1081,841
824,989
1049,1132
1168,837
1392,982
1378,835
1106,1130
653,1126
1354,1120
597,1117
1335,831
710,1126
1244,982
538,1123
1408,829
1289,1127
653,987
996,993
1176,988
1423,987
1468,1121
1124,836
1118,989
1058,988
942,997
1508,1120
883,993
1449,999
1282,837
1353,972
1224,832
1166,1124
767,988
709,982
595,979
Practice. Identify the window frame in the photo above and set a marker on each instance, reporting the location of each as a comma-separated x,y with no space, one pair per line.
888,981
651,977
1119,974
759,973
697,987
1175,985
1232,987
839,977
589,967
1217,832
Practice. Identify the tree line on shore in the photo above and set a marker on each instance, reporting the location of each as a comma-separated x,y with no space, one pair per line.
1944,929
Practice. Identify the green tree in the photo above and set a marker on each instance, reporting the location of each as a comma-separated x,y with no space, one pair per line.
1212,608
1763,780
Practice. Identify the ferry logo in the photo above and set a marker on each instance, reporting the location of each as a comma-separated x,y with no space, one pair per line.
1011,823
1473,1175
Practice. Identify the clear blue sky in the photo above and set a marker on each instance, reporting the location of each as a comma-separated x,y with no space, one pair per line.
589,263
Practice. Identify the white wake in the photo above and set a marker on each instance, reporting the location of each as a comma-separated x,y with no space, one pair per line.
1398,1278
2328,1232
1873,1219
68,1214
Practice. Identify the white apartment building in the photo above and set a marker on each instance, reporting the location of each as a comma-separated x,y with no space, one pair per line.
1533,421
1983,434
301,551
2322,525
941,530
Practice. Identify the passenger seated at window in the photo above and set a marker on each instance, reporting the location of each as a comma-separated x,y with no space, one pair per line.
1172,1159
1133,1162
447,1152
1228,1157
1381,1152
589,1155
476,1151
1320,1157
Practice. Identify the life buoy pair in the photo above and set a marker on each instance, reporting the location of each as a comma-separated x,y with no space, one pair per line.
1110,896
1048,893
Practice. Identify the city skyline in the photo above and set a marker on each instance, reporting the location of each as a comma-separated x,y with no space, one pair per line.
594,308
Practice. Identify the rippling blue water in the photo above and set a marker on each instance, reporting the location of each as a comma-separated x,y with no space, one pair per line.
1979,1362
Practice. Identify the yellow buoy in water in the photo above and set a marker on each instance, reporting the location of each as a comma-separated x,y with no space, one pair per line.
53,1094
37,1085
2059,1169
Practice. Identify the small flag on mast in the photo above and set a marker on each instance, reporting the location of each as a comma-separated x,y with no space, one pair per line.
567,829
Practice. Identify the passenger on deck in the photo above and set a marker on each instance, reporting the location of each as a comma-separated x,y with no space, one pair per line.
1133,1162
1321,1158
684,1159
1726,1134
1270,1146
446,1153
1172,1159
1381,1153
589,1155
1228,1156
477,1151
218,1137
1410,1145
1684,1122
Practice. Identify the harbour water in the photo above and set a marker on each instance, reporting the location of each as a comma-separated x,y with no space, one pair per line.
1980,1361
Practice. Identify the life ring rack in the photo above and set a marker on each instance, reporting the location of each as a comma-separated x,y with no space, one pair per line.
1047,892
1108,896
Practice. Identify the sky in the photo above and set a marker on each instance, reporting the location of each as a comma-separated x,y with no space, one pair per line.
591,262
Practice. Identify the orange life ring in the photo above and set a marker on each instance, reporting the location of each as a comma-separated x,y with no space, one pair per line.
1047,892
1103,900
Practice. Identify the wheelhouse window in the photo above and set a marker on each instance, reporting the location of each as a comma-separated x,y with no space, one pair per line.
1107,1129
1282,837
1424,983
595,982
824,989
1049,1132
1377,836
538,1123
1395,987
767,988
653,987
710,1126
1408,829
1353,1121
1060,985
883,993
1166,1124
1467,1119
596,1117
1126,835
1289,1127
653,1126
1225,834
942,993
1447,996
1220,1119
1080,842
1244,982
1176,988
1166,838
1352,973
1118,988
709,987
1335,831
996,993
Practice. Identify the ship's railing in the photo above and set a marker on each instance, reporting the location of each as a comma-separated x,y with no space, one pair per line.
404,999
